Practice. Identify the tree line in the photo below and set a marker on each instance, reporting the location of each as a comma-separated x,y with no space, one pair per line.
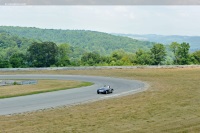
49,54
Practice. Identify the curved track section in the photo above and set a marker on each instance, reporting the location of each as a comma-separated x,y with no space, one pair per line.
66,97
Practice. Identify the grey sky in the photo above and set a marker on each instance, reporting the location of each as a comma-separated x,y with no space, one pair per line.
164,20
102,2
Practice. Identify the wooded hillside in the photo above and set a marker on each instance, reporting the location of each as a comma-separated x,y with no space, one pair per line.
89,40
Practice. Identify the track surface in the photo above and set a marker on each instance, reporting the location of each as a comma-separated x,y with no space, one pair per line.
66,97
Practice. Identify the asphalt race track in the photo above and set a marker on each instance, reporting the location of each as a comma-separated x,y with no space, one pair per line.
67,97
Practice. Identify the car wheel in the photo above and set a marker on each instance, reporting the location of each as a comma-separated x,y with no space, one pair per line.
106,92
97,92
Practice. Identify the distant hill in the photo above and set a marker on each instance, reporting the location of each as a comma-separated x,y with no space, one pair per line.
194,41
88,40
11,41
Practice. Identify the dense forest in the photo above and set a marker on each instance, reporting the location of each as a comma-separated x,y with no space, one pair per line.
17,51
87,40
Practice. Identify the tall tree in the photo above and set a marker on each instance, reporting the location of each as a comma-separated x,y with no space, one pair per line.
174,46
158,53
196,57
143,57
119,58
63,55
91,58
18,60
4,63
42,54
183,54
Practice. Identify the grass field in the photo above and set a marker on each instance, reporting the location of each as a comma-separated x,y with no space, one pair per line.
41,87
171,104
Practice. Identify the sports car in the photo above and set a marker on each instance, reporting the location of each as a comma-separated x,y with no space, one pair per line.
105,90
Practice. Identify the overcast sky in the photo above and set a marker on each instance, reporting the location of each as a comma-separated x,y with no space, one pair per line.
164,20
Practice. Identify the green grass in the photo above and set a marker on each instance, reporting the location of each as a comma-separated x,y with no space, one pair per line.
42,88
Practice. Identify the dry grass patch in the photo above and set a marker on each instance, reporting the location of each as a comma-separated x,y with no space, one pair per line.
41,87
171,104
